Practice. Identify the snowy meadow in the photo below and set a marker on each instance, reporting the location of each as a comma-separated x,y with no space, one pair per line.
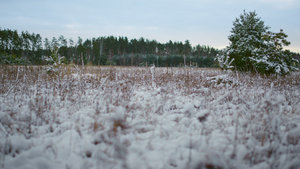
147,118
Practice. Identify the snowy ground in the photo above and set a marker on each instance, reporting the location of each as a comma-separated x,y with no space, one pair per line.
152,118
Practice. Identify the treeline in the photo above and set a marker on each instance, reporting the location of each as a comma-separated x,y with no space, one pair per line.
26,48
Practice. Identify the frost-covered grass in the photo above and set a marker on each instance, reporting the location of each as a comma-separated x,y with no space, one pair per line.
135,118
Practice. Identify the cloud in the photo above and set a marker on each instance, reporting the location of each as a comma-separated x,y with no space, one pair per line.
201,21
281,4
280,1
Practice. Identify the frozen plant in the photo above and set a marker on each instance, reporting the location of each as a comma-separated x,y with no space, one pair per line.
54,60
225,62
152,74
114,118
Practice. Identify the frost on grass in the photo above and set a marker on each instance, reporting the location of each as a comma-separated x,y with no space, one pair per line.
113,117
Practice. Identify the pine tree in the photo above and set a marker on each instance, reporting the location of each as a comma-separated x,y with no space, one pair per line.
254,48
274,58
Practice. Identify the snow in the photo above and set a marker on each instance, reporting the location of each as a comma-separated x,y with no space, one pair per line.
150,118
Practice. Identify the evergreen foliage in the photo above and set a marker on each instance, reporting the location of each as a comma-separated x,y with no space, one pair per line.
256,49
54,60
108,50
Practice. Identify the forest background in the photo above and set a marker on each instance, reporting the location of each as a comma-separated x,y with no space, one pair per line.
30,48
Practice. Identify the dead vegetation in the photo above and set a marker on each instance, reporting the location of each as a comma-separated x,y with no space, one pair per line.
256,113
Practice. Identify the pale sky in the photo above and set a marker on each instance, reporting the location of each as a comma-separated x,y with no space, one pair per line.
204,22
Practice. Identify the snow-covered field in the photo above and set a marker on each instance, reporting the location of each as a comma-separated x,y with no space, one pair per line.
147,118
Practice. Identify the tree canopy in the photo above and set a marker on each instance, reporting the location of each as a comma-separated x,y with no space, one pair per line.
30,48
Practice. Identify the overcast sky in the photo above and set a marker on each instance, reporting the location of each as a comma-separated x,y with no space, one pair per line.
204,22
